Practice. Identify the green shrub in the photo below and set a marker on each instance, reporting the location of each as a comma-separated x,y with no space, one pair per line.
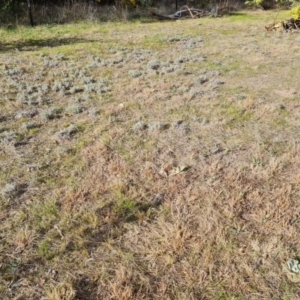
254,2
295,12
265,4
294,5
284,3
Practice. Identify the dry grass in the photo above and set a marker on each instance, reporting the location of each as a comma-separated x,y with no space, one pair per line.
142,161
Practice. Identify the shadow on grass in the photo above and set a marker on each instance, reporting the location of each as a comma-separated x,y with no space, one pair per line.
35,44
113,220
241,14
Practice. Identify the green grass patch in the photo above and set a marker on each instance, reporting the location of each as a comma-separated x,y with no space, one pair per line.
242,16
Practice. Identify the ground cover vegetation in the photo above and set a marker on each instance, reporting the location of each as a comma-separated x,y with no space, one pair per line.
37,12
150,160
64,11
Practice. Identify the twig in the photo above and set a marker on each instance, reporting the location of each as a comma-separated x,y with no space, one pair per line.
276,17
191,14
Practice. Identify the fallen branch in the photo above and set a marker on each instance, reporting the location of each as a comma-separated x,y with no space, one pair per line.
191,14
184,13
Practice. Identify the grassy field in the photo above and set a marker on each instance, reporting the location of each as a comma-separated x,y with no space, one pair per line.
150,160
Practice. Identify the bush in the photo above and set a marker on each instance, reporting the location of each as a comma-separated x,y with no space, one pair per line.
284,3
295,12
265,4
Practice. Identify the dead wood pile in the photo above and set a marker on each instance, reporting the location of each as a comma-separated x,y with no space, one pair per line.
289,25
186,13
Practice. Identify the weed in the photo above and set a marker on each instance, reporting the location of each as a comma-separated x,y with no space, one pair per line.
44,214
45,250
124,208
9,190
74,109
237,115
68,131
62,291
50,114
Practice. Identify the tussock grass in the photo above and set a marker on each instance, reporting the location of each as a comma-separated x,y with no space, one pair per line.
181,182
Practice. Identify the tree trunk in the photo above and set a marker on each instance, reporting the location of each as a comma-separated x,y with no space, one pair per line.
30,13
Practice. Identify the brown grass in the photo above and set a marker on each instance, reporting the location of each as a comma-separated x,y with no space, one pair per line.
176,189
